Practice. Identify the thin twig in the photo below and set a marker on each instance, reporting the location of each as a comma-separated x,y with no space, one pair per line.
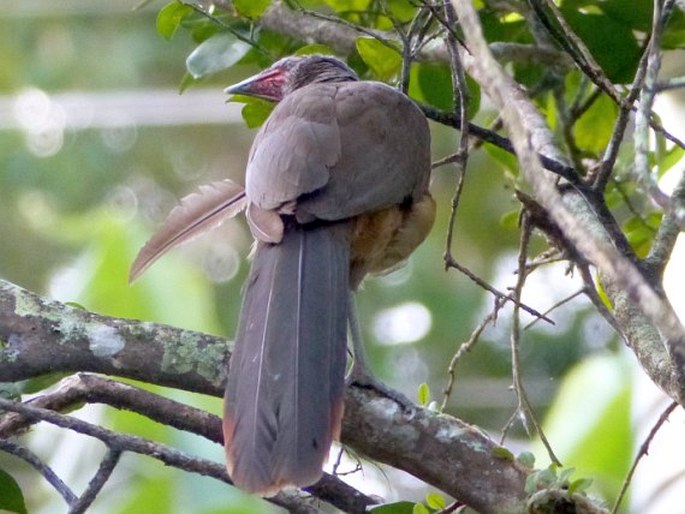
452,263
489,136
220,23
667,233
85,387
460,95
31,458
524,405
97,482
466,347
392,44
644,448
673,83
644,111
567,38
555,306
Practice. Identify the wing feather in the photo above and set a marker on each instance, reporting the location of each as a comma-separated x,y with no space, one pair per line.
197,213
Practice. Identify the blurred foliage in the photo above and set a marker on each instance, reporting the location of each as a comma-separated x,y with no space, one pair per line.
71,221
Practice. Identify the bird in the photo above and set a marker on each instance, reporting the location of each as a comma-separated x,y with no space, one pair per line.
336,188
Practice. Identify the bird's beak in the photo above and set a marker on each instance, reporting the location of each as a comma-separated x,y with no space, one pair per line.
267,84
241,88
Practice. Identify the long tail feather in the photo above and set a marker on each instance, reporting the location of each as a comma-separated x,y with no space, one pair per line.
284,394
198,212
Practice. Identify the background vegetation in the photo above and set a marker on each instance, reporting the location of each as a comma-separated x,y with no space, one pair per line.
97,146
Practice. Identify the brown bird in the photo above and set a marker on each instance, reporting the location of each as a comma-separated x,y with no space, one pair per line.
336,188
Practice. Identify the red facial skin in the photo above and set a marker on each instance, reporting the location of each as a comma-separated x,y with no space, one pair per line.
267,85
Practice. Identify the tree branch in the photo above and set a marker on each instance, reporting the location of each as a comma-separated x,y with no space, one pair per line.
647,321
119,442
84,387
445,452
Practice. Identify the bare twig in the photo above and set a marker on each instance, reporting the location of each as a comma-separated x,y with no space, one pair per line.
668,232
575,47
452,263
466,347
31,458
524,406
220,23
648,322
386,40
489,136
460,95
644,448
673,83
97,482
644,111
555,306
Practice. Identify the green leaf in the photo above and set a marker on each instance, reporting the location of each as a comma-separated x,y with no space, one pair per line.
420,508
611,43
402,10
435,501
579,485
594,128
11,496
507,159
186,82
640,232
527,459
403,507
384,61
669,159
219,52
256,110
345,6
502,453
636,14
423,394
9,390
316,48
564,476
603,294
510,219
252,9
39,383
546,477
170,18
432,83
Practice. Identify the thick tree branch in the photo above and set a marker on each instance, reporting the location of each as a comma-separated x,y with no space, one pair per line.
39,336
439,449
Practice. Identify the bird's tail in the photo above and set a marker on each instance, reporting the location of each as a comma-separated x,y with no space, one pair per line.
284,396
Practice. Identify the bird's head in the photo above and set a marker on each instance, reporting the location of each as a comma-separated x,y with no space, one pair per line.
291,73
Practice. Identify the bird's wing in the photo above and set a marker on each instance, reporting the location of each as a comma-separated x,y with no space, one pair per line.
339,150
295,149
385,153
